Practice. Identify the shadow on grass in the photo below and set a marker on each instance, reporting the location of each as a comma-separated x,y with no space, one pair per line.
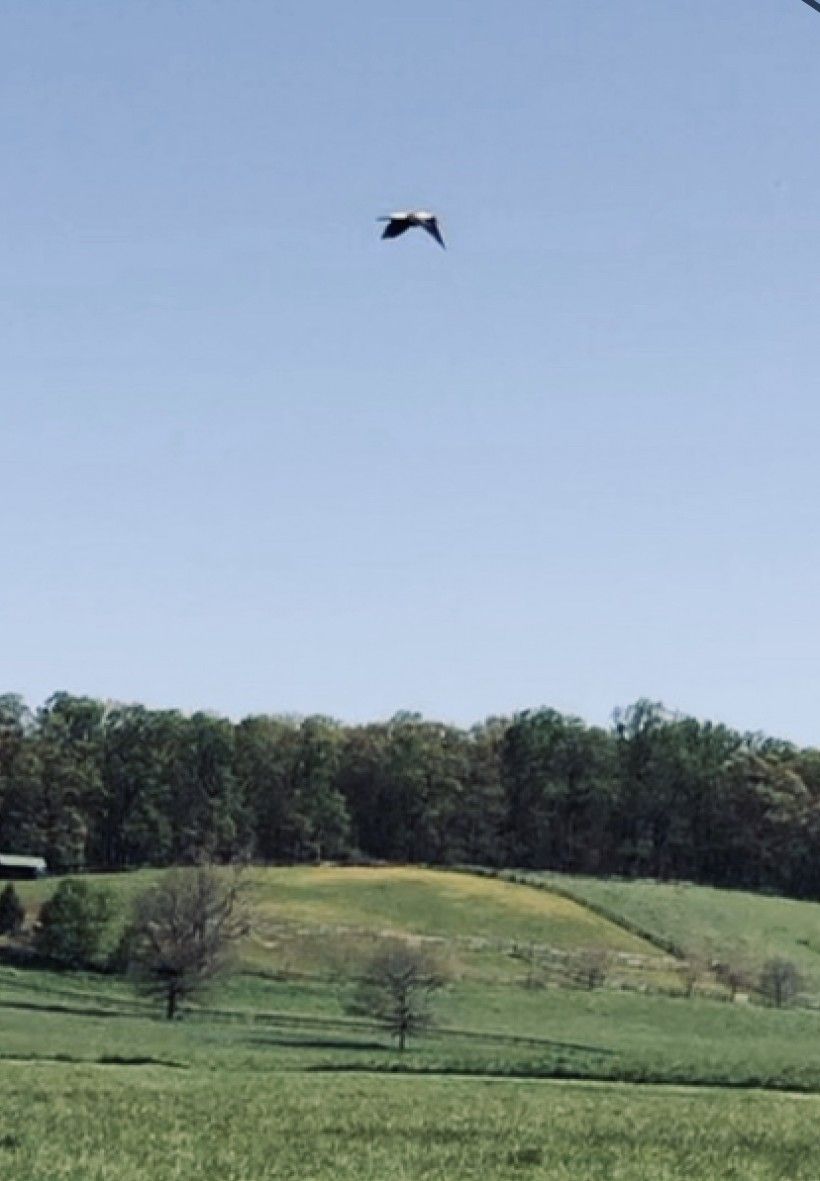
103,1060
491,1070
314,1039
143,1060
24,958
316,1043
512,1039
71,1010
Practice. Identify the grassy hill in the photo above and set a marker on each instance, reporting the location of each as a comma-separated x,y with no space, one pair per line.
323,919
704,922
411,900
271,1077
406,900
319,920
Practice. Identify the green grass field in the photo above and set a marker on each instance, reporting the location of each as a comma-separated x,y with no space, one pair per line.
323,920
705,922
269,1076
405,900
61,1123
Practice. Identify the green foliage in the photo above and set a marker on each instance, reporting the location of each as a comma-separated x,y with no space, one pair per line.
75,924
69,738
559,777
12,911
660,795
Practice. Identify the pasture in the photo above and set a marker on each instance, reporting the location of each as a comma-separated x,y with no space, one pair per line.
62,1123
269,1075
704,921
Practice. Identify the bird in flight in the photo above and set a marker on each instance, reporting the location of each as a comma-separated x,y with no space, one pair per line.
397,223
813,4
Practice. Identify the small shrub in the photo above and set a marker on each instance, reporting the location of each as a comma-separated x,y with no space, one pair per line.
12,911
74,924
119,958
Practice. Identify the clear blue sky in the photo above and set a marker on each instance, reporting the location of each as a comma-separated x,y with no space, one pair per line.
253,459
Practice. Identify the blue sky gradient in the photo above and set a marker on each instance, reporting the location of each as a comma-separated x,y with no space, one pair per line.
253,459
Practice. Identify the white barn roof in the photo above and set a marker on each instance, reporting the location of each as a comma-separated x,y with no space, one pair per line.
13,861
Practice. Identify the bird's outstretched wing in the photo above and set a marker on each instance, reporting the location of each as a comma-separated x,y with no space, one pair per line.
431,225
813,4
395,227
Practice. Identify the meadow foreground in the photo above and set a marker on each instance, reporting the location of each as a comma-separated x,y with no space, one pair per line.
70,1123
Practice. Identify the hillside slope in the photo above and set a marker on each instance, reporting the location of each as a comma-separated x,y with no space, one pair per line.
701,921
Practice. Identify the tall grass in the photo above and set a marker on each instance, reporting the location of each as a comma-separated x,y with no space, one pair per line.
131,1124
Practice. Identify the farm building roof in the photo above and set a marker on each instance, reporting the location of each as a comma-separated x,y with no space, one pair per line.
13,861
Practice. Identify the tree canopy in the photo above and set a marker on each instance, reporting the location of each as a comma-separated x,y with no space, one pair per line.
90,784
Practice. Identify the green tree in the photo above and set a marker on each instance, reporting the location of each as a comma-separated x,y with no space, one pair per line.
264,757
132,823
75,924
558,777
407,783
209,818
12,911
477,824
673,815
765,818
184,932
70,743
397,989
21,800
319,815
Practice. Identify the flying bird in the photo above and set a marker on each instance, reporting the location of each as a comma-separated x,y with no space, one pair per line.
397,223
813,4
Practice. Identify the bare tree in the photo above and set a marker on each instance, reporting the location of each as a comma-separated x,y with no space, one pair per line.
590,967
529,954
184,933
396,989
778,982
736,977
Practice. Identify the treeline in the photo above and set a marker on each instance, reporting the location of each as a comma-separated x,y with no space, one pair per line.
89,784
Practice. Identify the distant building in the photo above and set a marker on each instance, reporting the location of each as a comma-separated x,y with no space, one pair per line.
14,868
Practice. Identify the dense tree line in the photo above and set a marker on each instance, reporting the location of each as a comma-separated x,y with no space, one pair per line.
90,784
